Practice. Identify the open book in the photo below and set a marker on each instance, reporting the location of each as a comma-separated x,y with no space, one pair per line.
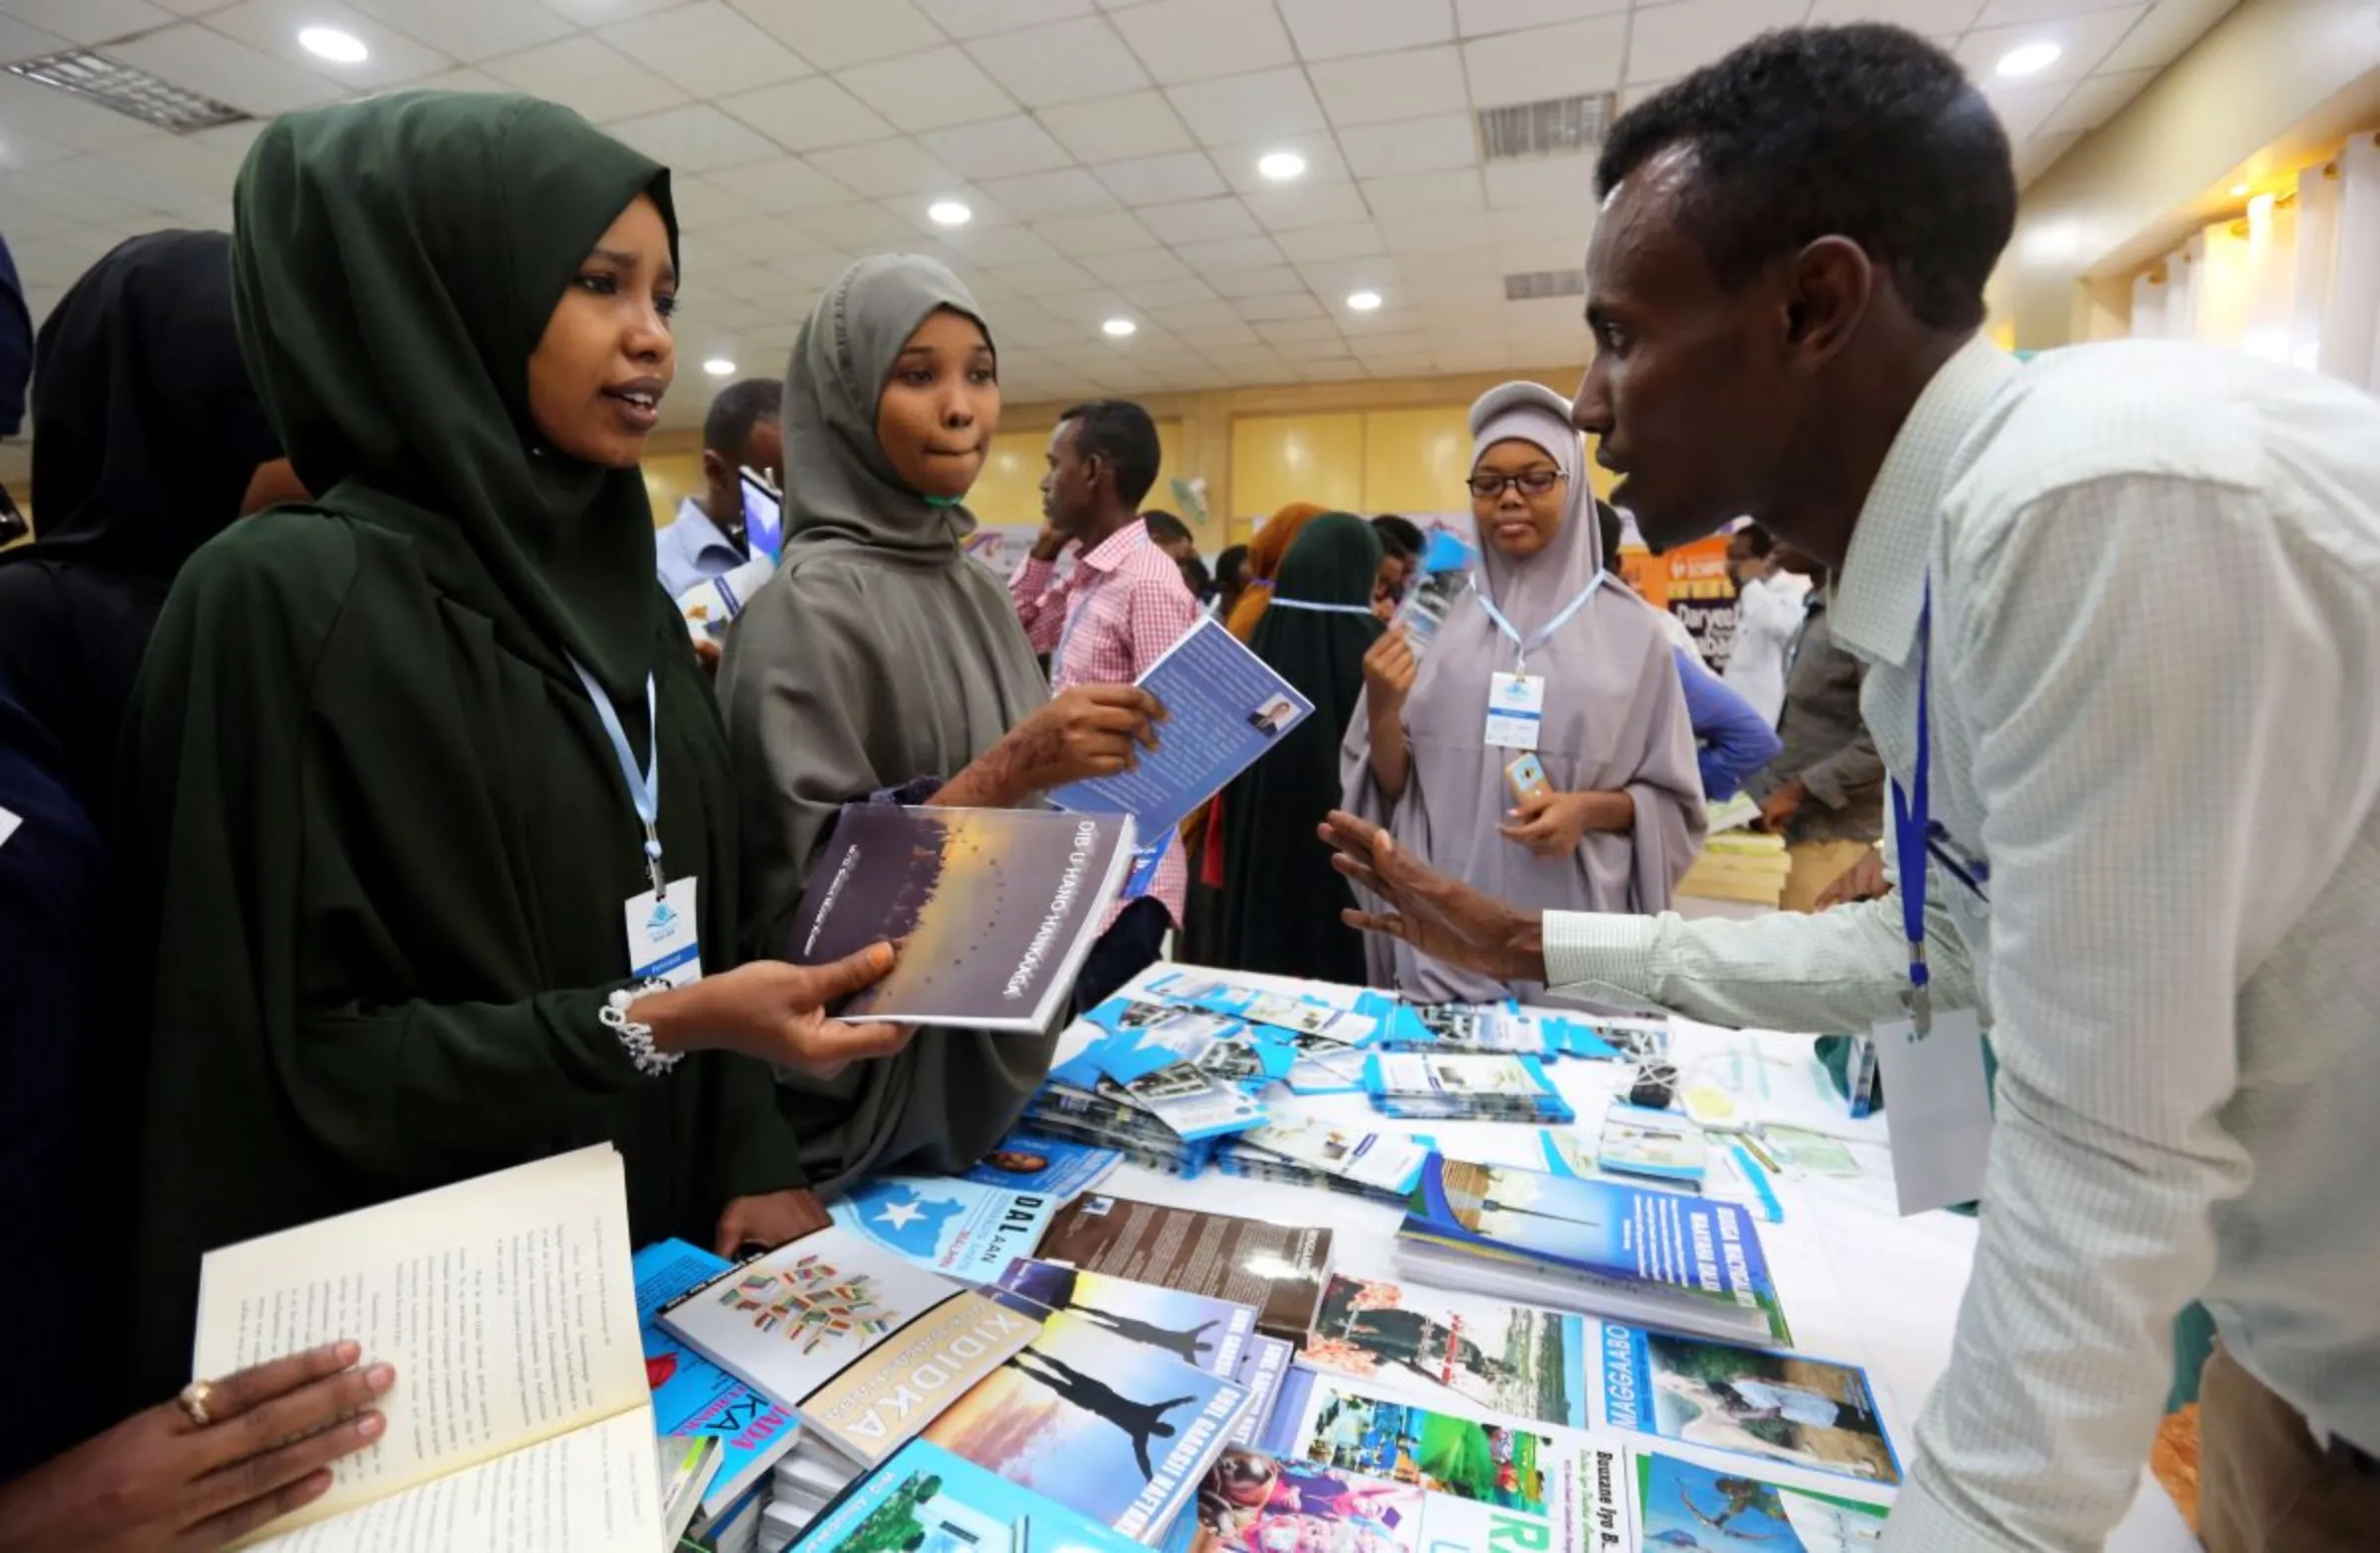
520,1418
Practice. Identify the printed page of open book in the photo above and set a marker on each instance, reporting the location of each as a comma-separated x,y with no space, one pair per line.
506,1304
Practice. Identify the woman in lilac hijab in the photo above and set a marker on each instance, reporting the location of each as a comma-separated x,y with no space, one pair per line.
1621,815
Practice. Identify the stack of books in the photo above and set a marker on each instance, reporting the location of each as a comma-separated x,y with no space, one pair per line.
1739,865
1381,1166
1435,1086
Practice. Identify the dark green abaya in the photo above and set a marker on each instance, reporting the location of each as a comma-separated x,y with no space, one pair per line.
384,836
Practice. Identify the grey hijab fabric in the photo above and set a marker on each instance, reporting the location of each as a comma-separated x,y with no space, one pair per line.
1614,720
878,655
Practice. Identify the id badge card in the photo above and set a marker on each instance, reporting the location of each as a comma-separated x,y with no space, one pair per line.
1143,876
663,943
1515,712
1937,1109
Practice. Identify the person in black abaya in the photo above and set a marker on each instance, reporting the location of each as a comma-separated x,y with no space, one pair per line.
1281,898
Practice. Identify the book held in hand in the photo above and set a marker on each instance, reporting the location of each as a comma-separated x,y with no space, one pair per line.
521,1416
994,910
863,1343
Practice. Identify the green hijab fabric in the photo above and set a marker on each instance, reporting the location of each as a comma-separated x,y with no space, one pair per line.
374,828
393,268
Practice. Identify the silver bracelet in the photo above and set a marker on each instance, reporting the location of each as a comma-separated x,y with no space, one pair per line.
637,1038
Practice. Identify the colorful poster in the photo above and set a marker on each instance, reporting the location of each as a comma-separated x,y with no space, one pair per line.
1685,1506
927,1500
1453,1349
1748,1401
1212,1334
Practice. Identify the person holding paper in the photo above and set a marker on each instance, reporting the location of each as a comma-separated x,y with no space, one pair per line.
1105,623
1539,660
428,816
882,662
2071,582
1281,899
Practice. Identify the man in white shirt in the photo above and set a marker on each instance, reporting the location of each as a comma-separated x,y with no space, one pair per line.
2153,634
1768,611
740,431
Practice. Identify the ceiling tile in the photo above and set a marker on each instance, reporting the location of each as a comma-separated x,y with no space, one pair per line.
1185,291
706,49
1386,86
2023,107
2169,26
1240,163
776,186
758,241
1145,264
998,148
1331,242
83,206
1264,105
809,115
1425,193
2036,151
1294,209
857,226
1197,40
984,214
884,169
1085,236
1044,277
1139,124
990,246
1933,18
697,139
581,73
1239,253
1299,303
1426,234
1669,41
1334,29
701,202
821,269
1546,61
924,91
1413,146
272,27
204,167
2019,13
1548,181
81,20
839,33
1067,191
1258,283
466,78
207,61
108,178
603,13
1067,62
2084,41
29,151
1157,180
1479,18
469,30
1200,221
2092,101
977,18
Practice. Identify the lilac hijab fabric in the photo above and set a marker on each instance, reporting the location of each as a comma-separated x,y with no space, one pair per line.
1614,720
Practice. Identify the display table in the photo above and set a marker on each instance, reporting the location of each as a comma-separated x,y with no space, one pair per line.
1859,1283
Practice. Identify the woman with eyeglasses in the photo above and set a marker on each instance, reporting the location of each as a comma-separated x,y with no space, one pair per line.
1541,749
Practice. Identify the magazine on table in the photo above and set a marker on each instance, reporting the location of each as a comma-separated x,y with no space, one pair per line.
1638,1141
1278,1268
1198,1328
1025,1161
692,1397
926,1499
957,1227
1463,1086
1382,1165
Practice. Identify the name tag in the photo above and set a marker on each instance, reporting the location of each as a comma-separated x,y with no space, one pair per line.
663,941
1143,876
1515,712
1937,1109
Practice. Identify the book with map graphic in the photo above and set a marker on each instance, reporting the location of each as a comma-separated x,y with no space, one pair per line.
953,1226
927,1500
994,910
860,1341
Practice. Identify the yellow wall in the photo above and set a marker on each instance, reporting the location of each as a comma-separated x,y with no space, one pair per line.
671,478
1009,491
1280,459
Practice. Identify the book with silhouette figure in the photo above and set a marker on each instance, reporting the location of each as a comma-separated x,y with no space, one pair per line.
1277,1267
1213,1333
1118,1430
994,910
863,1343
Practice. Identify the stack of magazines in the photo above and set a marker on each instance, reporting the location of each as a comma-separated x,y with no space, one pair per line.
1438,1086
1381,1166
1108,1116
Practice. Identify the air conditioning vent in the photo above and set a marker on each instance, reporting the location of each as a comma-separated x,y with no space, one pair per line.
1555,127
133,93
1536,285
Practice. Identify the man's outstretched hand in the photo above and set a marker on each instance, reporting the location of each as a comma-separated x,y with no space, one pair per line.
1440,916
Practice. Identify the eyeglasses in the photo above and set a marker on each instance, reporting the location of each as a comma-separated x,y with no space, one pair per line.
1536,482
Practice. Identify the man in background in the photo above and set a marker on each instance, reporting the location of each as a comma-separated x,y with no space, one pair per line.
1105,623
706,540
1231,579
1401,544
1824,790
1171,535
1768,611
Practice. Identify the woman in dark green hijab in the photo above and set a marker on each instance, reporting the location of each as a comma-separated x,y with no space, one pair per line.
385,746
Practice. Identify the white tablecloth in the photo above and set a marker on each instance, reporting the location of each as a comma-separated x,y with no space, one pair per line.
1859,1283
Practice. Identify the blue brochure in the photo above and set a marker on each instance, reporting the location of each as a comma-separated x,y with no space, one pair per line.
925,1498
1031,1162
1224,708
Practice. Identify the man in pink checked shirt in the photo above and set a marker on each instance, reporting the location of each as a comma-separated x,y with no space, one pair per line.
1105,623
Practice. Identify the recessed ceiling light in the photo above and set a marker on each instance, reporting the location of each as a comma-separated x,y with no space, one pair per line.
949,213
2029,59
720,367
1364,301
1117,328
331,44
2239,191
1281,165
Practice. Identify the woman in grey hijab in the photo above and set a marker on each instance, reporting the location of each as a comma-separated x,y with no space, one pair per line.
1621,816
880,660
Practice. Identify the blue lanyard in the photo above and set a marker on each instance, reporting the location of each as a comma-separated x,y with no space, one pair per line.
1322,608
1520,648
643,788
1909,820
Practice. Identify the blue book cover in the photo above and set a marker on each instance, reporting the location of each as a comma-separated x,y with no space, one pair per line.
924,1500
1051,1166
1751,1402
1688,1505
1225,708
1686,1259
959,1227
690,1394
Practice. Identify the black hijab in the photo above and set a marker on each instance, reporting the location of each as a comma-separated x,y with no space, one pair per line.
1281,898
146,435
